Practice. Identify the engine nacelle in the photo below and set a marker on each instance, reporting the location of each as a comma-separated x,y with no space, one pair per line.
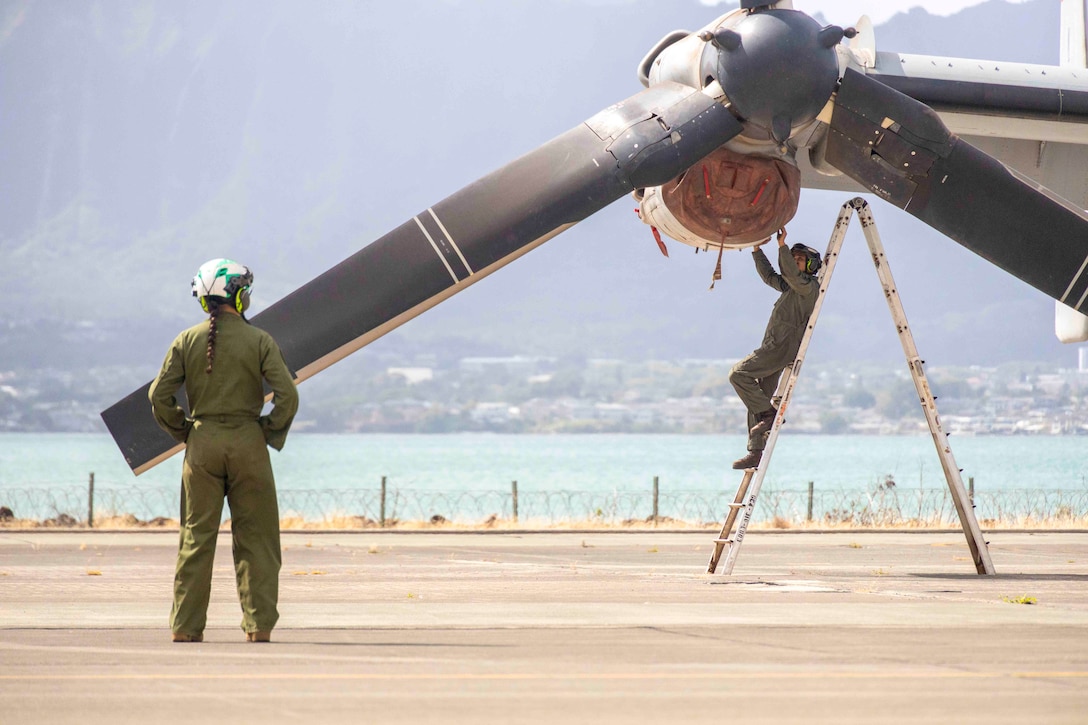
680,56
1069,325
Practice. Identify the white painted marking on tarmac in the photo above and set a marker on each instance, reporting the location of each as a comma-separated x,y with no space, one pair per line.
450,238
798,586
1072,284
436,250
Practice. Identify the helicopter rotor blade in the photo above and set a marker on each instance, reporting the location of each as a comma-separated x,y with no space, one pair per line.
899,149
642,141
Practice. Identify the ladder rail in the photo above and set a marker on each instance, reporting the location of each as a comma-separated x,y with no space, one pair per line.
730,519
831,257
980,553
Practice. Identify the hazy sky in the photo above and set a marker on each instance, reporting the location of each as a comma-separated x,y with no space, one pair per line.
150,138
847,11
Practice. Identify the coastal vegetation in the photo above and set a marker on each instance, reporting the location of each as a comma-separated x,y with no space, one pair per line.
425,393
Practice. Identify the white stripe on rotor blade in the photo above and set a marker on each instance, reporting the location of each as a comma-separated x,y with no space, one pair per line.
1076,278
452,243
436,250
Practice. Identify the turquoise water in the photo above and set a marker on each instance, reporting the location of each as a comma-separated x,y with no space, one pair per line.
477,462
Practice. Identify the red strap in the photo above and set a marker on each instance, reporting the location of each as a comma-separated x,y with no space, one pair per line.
717,268
660,242
706,181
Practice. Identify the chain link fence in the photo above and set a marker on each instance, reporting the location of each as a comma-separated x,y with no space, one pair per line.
879,506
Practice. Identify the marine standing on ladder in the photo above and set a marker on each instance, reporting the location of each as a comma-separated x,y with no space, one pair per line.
223,364
755,378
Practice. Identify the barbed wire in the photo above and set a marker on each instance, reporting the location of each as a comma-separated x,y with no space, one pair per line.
878,506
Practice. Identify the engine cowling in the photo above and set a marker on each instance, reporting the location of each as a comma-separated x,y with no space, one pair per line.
728,200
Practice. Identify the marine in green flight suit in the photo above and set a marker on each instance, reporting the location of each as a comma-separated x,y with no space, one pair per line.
222,363
755,378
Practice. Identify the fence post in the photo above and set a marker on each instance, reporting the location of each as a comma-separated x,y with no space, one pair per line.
90,502
514,498
810,487
971,488
655,501
381,521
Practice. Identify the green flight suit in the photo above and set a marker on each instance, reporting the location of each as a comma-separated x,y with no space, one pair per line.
226,454
756,376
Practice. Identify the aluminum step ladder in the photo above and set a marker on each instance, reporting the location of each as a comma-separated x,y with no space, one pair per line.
740,511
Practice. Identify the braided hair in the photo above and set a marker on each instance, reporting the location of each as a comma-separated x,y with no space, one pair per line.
213,312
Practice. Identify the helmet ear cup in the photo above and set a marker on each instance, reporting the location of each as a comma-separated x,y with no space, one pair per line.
241,300
812,257
204,303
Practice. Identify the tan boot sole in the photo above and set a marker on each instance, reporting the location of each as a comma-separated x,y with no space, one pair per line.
180,637
258,636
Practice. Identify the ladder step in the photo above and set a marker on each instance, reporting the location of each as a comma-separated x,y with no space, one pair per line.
737,505
726,541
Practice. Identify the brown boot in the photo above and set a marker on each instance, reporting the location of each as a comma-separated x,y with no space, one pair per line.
258,636
764,422
749,461
182,637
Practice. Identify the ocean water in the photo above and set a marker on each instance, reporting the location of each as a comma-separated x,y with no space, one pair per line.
594,463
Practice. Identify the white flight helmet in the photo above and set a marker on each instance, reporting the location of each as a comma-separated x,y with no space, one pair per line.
224,281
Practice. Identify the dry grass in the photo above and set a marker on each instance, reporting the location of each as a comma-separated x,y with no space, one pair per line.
1022,599
294,522
347,522
1025,523
122,521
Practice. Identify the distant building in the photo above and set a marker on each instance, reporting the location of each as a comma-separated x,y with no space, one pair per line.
494,413
1083,367
722,363
411,375
515,365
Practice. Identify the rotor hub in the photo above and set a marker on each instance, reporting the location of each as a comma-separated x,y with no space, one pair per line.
777,67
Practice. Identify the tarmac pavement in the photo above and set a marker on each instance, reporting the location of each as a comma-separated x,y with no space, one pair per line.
558,626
